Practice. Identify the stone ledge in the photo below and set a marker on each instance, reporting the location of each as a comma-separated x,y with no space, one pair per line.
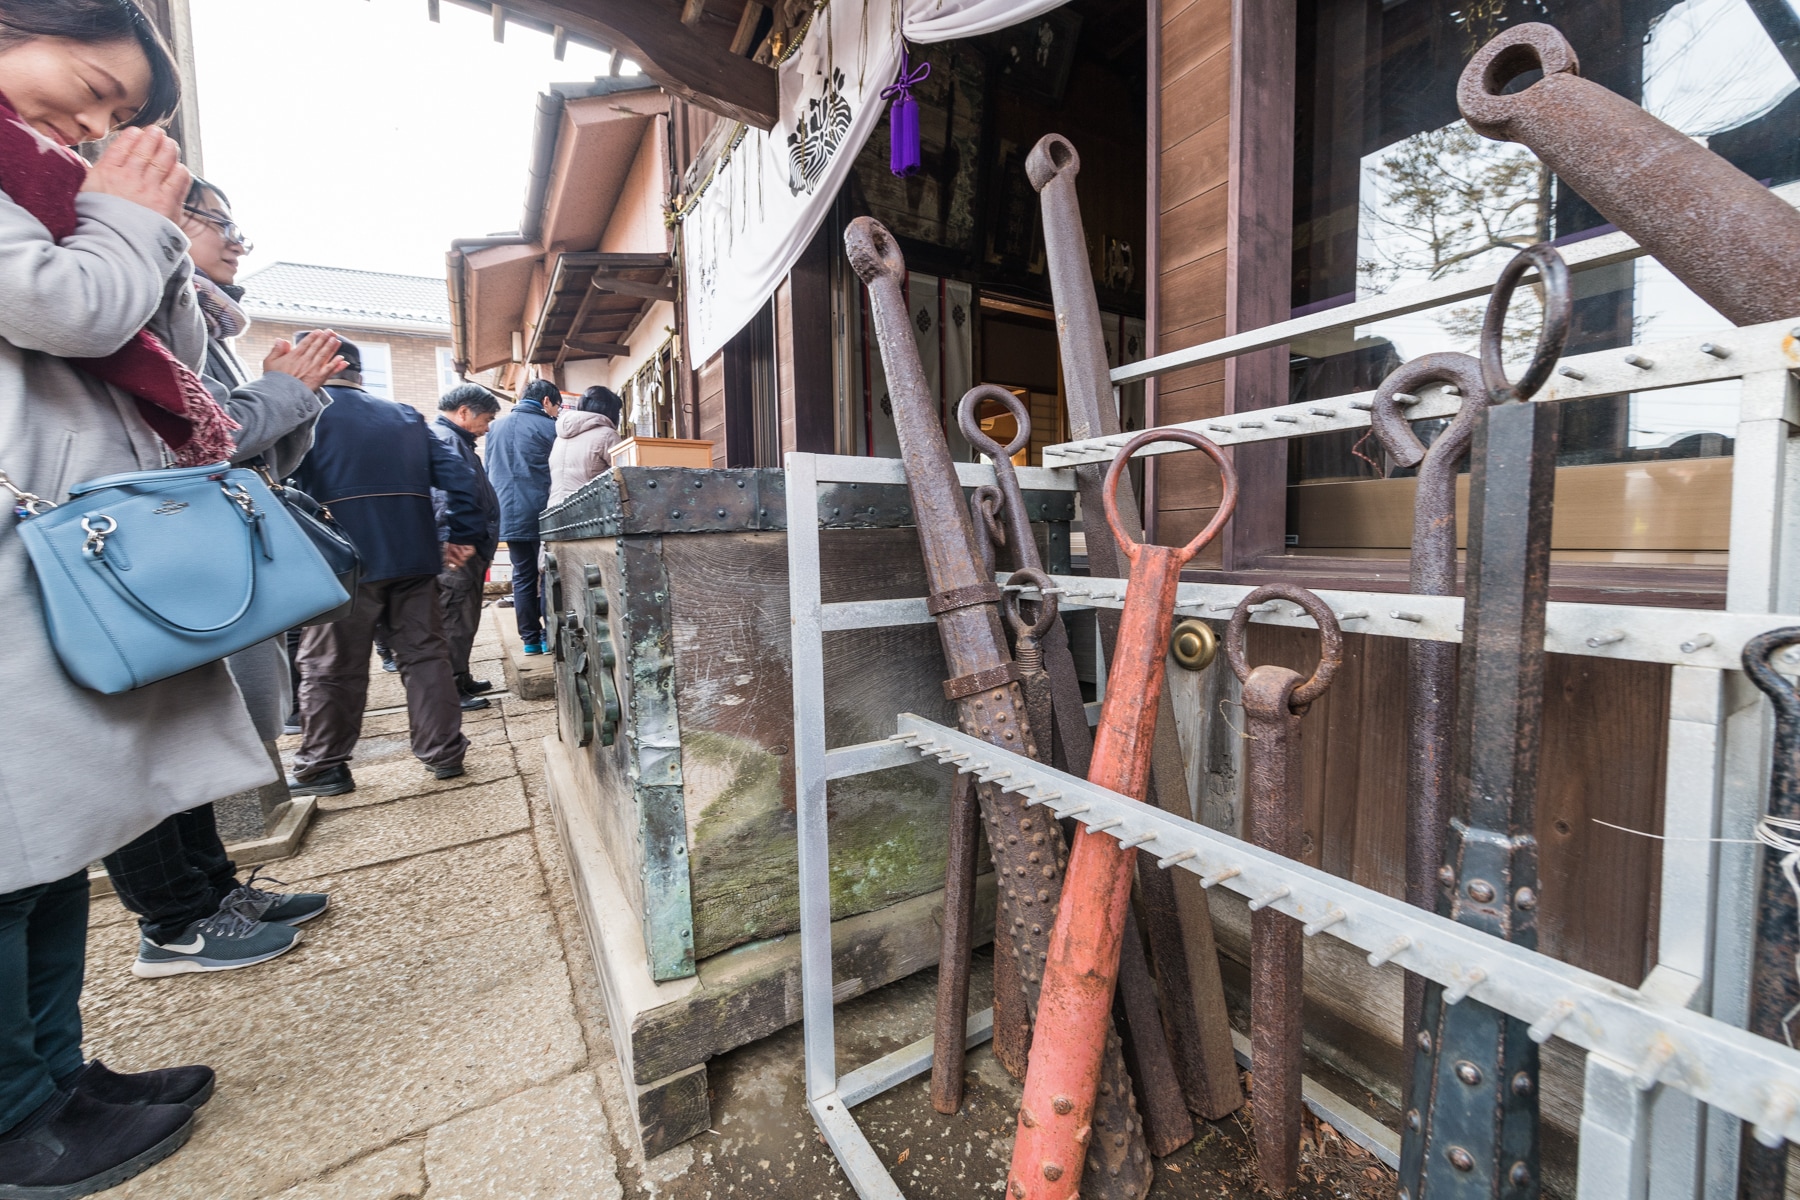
530,676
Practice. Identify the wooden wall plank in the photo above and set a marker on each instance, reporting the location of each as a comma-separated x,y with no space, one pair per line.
710,414
1604,724
1192,34
1192,230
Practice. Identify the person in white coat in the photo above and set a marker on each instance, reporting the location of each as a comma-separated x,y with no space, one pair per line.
586,432
100,338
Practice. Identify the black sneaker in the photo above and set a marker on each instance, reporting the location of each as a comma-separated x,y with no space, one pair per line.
226,941
192,1086
291,726
276,908
468,685
74,1145
332,781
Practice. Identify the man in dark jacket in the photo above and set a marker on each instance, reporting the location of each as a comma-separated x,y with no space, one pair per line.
518,461
464,414
375,462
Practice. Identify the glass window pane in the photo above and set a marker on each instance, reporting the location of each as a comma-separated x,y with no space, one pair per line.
1392,189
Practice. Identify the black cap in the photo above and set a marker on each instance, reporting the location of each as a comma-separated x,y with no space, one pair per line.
347,351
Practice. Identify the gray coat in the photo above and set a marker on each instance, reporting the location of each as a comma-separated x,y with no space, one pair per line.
81,773
275,415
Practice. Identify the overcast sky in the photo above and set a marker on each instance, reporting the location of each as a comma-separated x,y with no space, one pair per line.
356,133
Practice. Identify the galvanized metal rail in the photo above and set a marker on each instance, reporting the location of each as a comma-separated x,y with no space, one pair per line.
1730,1068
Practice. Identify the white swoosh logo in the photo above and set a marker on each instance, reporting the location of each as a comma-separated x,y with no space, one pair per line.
193,947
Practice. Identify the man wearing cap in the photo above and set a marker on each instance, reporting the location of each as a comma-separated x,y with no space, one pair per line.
375,463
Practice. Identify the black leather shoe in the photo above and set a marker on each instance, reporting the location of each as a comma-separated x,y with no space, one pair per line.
74,1145
471,703
192,1086
468,685
332,781
446,770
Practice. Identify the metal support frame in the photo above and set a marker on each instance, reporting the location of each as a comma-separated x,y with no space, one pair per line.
1667,1084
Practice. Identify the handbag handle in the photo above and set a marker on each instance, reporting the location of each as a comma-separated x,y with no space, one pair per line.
95,552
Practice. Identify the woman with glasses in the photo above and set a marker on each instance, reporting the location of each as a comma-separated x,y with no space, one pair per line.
177,877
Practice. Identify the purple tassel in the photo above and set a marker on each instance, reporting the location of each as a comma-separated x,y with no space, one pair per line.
903,117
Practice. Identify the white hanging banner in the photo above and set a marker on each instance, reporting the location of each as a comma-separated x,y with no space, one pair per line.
765,203
944,20
769,195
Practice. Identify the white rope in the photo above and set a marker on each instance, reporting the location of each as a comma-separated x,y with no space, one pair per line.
1777,833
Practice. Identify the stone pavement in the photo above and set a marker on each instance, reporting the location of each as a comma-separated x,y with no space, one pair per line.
424,1039
439,1033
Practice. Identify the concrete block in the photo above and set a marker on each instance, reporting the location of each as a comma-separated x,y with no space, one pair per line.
530,676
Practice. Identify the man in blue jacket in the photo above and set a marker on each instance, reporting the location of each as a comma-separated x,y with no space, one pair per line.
518,462
464,414
374,462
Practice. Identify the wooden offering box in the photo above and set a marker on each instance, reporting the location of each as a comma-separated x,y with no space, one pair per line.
670,773
662,452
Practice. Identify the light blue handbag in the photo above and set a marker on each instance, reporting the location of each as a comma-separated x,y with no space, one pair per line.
148,574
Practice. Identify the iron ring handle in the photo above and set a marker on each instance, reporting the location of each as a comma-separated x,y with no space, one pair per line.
1554,273
873,252
984,506
1046,605
1781,690
979,438
1227,479
1331,639
1392,427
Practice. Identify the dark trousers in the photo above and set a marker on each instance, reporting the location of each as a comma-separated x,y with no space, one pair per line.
459,596
292,640
334,667
43,949
528,606
176,874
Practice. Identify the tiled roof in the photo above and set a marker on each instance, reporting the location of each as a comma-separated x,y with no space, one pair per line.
304,292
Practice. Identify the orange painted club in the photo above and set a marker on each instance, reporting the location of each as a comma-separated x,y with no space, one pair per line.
1082,967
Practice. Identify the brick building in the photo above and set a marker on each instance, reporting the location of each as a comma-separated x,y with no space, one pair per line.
400,322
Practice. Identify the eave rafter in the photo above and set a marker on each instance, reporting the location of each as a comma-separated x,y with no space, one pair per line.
679,57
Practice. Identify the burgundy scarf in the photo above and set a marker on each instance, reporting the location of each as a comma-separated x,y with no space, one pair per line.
43,178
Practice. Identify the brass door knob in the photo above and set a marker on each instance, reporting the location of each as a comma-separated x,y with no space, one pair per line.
1194,644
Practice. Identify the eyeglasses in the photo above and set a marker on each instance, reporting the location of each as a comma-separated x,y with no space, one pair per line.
228,229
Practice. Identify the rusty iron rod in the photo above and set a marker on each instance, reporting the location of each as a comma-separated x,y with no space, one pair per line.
1073,737
1053,697
1028,848
1731,240
1177,914
1167,1125
1430,666
954,945
1057,1126
1471,1126
1775,992
1274,699
1012,1032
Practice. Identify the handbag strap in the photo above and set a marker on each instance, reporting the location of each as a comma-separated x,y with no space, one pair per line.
27,504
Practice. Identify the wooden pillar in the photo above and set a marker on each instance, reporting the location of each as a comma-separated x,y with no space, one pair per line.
1259,257
1224,229
171,20
1192,120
